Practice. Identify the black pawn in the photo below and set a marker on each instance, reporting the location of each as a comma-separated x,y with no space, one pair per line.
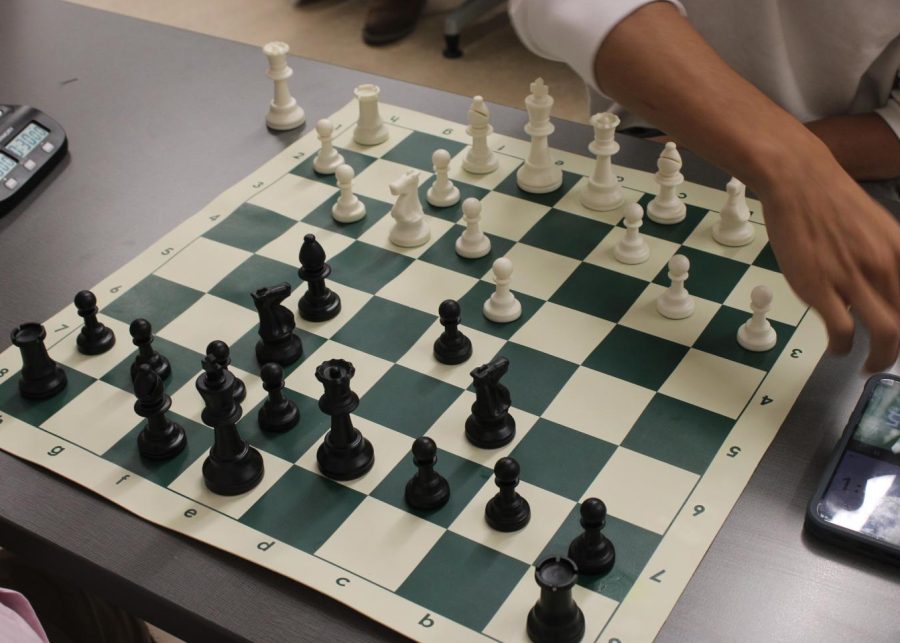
318,303
344,453
507,511
452,347
591,550
490,425
161,439
232,467
278,343
278,413
222,353
41,376
95,337
142,337
427,489
555,618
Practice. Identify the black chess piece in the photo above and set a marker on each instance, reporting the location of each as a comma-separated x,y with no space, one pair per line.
427,489
555,618
591,550
507,511
278,343
344,453
142,337
490,425
161,439
232,467
41,376
452,347
222,353
95,337
318,303
278,412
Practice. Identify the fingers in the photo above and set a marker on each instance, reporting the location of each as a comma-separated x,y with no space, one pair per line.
881,318
837,318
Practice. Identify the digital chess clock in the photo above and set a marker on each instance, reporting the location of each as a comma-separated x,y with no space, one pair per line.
31,143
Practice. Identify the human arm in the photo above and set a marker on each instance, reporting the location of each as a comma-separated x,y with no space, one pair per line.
864,144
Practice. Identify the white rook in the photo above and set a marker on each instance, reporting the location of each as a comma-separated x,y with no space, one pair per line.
284,112
370,129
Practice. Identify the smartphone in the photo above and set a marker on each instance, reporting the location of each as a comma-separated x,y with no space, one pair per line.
857,503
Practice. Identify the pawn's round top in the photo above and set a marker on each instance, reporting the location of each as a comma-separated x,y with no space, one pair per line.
633,212
471,207
272,375
85,301
503,268
440,158
344,174
218,349
324,127
424,450
761,296
449,310
140,330
147,384
679,265
734,187
506,470
556,573
27,333
593,513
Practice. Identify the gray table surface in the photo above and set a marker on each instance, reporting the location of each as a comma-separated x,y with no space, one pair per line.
161,121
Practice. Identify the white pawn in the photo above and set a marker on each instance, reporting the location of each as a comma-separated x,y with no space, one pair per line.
328,159
370,129
410,227
733,227
442,193
472,243
284,112
502,306
676,302
480,159
632,248
757,334
601,191
666,207
348,208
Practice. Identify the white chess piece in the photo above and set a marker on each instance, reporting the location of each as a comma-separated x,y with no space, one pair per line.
284,112
602,191
370,129
442,193
538,174
632,248
410,227
676,302
502,306
480,159
472,243
348,208
666,207
757,334
733,227
328,159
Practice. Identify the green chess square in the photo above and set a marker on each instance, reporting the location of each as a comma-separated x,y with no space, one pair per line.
472,304
559,459
321,216
407,401
36,412
567,234
243,351
452,213
720,338
510,187
710,276
634,547
679,433
384,329
125,452
443,253
357,161
154,298
534,378
185,365
463,580
416,149
250,227
599,292
766,259
256,272
642,359
288,445
676,233
365,267
465,477
302,509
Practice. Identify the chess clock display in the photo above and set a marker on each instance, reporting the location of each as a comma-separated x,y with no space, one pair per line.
857,503
31,143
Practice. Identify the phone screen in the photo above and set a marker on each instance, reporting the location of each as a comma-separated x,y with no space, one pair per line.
864,493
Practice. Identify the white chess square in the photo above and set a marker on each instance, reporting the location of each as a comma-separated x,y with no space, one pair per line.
506,165
381,543
420,357
786,305
395,136
660,253
578,404
701,239
97,418
379,235
210,317
571,203
286,248
643,491
66,351
202,264
563,332
369,369
293,196
713,383
537,272
644,317
508,216
424,286
375,180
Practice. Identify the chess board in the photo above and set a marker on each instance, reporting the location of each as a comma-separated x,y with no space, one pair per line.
664,420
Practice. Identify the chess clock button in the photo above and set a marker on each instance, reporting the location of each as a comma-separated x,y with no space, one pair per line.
48,147
30,164
11,184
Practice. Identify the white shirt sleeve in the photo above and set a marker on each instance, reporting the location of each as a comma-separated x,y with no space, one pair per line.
571,31
891,111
